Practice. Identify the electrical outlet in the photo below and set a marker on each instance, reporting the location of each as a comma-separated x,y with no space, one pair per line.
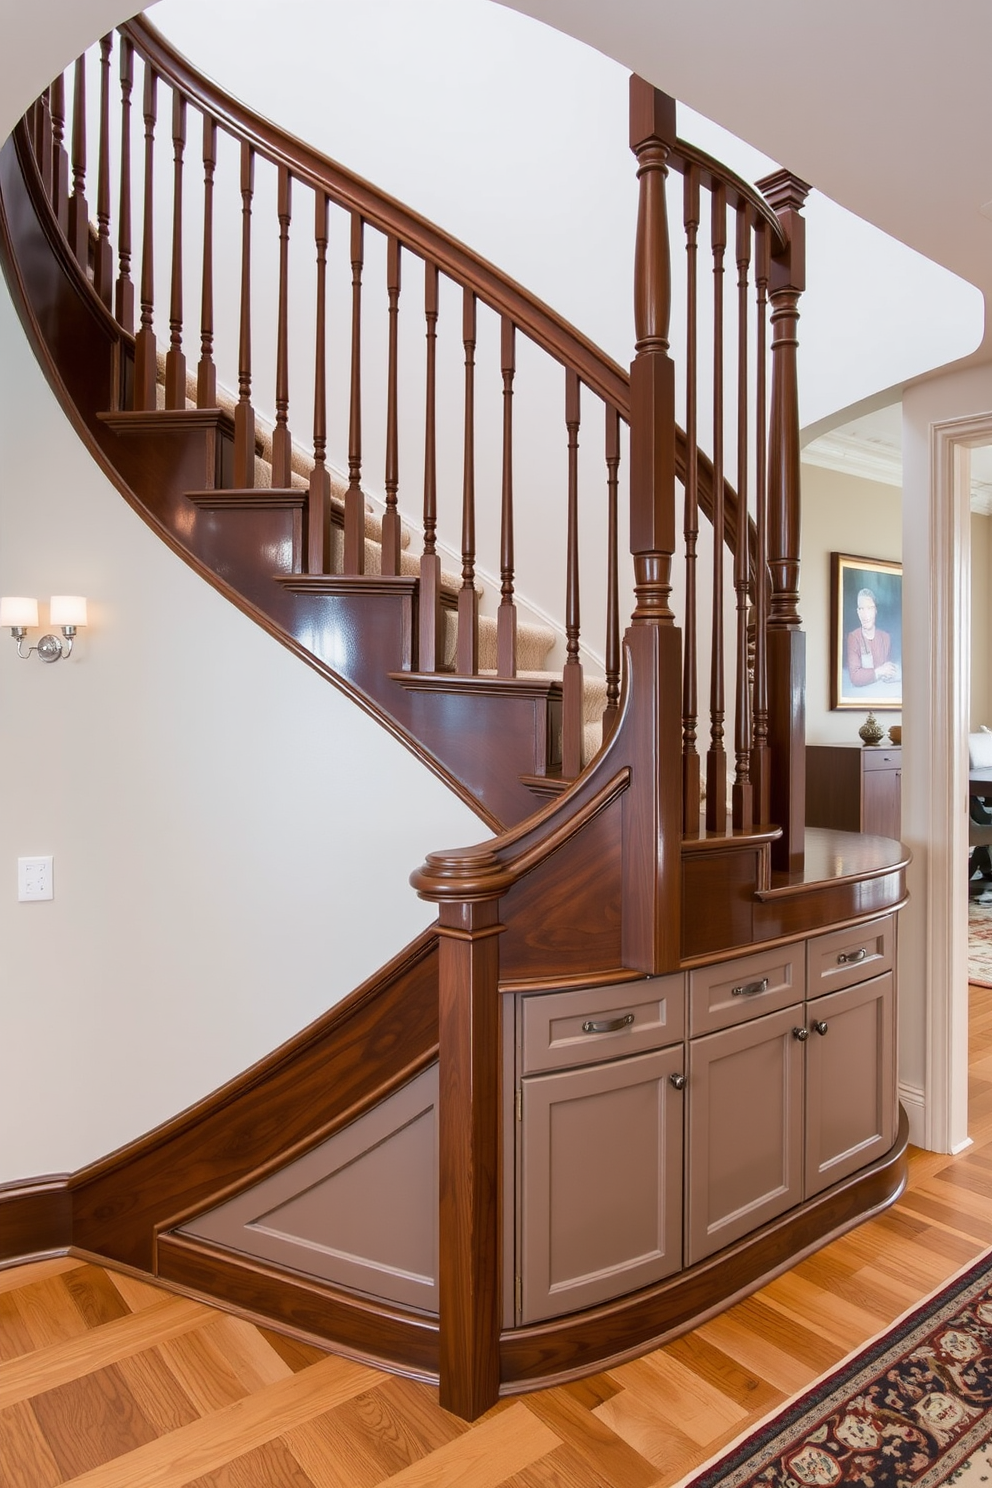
34,879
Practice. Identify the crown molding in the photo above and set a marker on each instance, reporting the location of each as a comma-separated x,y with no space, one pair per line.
869,459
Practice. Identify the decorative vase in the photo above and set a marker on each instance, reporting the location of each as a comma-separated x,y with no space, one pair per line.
871,730
895,733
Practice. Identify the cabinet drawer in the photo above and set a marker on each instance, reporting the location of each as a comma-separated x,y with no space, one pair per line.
561,1029
733,991
881,759
844,957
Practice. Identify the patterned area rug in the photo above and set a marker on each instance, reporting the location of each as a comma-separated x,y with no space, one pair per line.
913,1409
980,943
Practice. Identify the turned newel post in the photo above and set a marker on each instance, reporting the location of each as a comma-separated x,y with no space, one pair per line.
786,643
652,373
653,806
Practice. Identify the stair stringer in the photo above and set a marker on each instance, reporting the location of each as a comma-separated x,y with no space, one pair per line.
346,1065
88,361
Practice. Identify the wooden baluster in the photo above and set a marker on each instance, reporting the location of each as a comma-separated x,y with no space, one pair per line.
175,361
786,642
716,756
354,501
652,871
690,664
468,595
319,500
79,212
43,142
391,533
572,713
145,370
60,160
282,441
743,804
35,120
206,372
431,650
506,615
124,296
244,413
103,268
612,712
760,756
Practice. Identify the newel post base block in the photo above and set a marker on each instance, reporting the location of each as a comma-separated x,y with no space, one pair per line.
468,1121
786,746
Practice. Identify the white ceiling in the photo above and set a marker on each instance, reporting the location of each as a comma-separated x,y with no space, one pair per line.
884,106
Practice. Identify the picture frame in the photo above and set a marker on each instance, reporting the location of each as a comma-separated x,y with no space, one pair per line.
866,649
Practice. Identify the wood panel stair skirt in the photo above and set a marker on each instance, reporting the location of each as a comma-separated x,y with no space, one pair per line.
646,1055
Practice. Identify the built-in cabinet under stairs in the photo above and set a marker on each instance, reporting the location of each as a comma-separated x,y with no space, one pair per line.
646,1057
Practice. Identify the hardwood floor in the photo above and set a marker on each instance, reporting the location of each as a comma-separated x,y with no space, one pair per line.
109,1382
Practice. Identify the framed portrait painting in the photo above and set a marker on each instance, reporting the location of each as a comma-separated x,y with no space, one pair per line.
866,633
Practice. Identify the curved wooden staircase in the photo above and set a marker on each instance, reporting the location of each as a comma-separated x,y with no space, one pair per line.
617,882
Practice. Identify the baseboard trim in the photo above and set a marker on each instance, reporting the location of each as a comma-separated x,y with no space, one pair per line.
35,1219
382,1334
913,1102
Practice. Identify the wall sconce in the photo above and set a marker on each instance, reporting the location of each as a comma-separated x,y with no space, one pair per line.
66,610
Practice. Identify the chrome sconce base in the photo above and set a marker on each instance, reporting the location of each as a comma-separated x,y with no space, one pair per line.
49,648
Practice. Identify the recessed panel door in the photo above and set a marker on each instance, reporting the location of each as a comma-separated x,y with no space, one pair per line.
745,1093
850,1079
600,1181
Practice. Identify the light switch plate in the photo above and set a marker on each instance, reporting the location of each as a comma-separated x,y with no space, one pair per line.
34,879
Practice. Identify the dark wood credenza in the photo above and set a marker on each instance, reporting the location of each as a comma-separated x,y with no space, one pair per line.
854,789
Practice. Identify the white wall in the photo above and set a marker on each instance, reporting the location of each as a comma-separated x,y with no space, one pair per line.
219,878
841,514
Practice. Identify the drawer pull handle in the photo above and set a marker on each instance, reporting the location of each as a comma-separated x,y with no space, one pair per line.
677,1081
802,1034
610,1025
820,1026
750,989
846,958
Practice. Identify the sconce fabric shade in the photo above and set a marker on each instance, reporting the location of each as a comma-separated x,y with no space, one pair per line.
67,609
17,611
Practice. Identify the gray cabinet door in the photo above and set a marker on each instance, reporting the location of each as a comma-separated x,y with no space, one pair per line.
745,1161
850,1079
600,1182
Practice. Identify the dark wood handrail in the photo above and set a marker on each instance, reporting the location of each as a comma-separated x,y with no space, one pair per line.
739,193
488,870
549,330
544,326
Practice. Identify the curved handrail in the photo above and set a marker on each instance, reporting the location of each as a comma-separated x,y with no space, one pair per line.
549,330
739,192
545,326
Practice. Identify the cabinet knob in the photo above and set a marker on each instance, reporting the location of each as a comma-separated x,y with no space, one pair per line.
607,1025
820,1026
802,1034
677,1081
846,957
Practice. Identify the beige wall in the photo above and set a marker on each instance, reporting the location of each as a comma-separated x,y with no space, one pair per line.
981,621
841,514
